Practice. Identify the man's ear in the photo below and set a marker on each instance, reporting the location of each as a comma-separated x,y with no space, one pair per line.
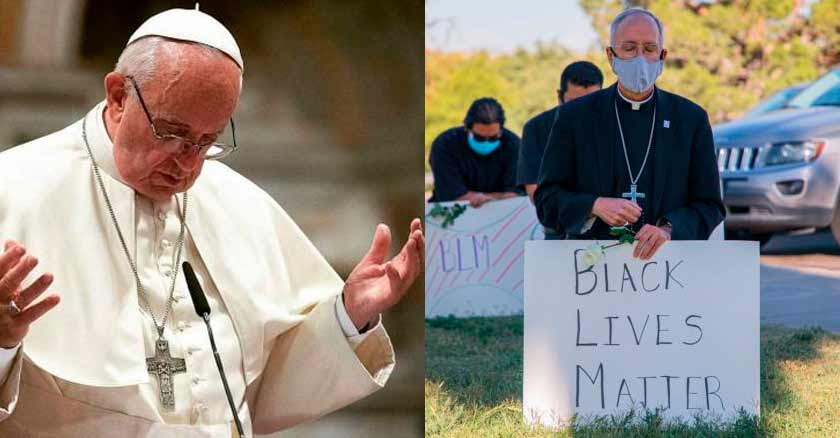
664,54
115,95
609,55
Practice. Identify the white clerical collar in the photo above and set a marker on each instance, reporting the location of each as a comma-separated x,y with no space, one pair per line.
635,104
103,150
100,142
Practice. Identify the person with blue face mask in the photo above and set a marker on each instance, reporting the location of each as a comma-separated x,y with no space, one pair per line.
476,162
631,154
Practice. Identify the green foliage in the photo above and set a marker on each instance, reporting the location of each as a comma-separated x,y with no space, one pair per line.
517,80
725,55
453,81
624,234
824,29
447,214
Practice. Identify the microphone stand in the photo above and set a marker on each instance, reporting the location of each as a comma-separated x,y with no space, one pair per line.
206,318
202,309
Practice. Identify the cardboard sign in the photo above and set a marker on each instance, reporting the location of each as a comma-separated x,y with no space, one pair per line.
678,332
474,267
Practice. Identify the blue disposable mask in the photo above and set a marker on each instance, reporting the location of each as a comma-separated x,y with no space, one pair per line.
636,74
482,147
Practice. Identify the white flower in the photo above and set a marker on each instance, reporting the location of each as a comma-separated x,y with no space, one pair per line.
593,254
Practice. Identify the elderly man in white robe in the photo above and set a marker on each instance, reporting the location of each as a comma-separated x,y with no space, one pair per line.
112,205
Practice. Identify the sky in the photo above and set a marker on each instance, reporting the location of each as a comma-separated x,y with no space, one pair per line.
504,25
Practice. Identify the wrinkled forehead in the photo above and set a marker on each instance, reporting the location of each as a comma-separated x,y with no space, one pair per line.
197,87
639,28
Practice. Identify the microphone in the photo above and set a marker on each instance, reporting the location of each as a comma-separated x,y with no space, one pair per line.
196,293
202,309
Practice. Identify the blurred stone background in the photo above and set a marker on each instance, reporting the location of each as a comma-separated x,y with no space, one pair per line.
330,123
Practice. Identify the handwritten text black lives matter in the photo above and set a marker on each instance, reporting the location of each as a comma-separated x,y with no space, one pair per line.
655,389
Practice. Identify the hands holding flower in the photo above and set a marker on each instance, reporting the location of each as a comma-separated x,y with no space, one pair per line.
619,214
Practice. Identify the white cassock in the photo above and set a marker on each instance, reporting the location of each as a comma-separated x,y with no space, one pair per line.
290,352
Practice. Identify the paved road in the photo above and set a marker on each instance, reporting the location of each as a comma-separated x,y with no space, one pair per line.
800,281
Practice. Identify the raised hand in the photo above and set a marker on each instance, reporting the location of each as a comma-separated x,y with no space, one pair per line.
376,284
616,211
16,309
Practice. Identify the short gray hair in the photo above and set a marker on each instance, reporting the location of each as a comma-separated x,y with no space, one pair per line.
627,13
140,58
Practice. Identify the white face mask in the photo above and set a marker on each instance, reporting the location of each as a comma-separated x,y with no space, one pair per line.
636,74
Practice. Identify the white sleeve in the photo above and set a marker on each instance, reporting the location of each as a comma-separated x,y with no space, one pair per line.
353,336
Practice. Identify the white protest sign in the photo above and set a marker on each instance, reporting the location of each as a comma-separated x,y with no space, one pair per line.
474,267
679,331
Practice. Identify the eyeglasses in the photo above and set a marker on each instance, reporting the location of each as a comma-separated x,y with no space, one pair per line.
483,139
207,145
630,49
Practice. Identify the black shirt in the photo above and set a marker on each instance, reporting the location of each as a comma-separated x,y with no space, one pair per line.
534,138
684,165
457,169
636,125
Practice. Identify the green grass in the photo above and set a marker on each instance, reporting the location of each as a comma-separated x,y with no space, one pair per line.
474,387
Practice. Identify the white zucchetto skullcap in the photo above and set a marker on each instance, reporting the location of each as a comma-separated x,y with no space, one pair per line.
190,25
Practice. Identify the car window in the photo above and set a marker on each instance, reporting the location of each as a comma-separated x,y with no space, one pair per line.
775,102
824,92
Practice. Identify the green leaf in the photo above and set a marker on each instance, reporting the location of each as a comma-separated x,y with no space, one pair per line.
447,214
620,231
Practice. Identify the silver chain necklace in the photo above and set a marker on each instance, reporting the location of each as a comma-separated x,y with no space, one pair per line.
634,194
162,364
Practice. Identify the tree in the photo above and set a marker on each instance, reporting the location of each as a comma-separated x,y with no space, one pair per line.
725,55
728,55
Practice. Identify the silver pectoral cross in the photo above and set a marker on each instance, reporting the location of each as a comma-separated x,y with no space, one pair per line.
163,366
633,195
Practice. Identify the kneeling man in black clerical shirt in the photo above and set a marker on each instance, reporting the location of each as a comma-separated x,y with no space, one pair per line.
476,162
631,154
577,80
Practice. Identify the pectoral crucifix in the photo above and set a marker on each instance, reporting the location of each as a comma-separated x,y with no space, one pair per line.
163,366
633,195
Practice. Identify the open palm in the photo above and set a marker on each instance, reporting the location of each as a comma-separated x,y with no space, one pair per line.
375,284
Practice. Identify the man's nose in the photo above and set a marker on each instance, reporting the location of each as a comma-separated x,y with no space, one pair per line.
188,157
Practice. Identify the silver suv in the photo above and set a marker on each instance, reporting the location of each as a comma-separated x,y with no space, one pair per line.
781,170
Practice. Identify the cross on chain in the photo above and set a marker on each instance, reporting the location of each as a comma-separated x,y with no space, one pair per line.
633,195
163,366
